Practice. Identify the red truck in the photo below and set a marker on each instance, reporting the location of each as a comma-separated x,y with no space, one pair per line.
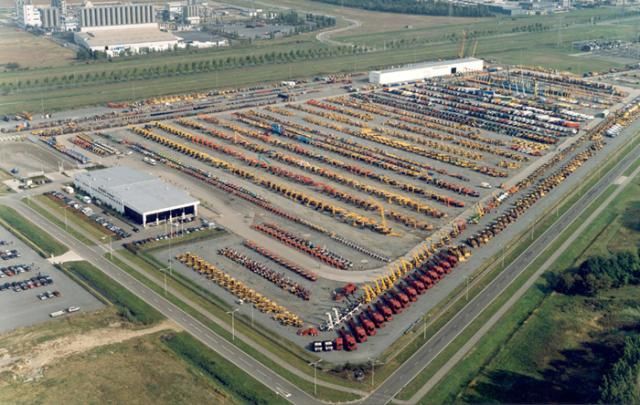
375,316
349,342
384,310
393,303
369,326
358,331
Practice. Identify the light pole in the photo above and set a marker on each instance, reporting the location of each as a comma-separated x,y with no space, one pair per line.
233,325
110,246
315,375
373,370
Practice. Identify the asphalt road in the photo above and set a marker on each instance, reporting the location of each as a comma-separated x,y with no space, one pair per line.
201,332
425,355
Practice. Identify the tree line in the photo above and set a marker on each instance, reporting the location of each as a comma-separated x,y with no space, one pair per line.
169,70
598,274
620,384
425,7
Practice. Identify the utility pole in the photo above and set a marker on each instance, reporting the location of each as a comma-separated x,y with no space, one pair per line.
233,325
315,376
373,370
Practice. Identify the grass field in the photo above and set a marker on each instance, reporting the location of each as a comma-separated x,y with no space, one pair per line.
96,358
30,233
549,347
76,219
129,306
42,210
141,370
31,51
222,371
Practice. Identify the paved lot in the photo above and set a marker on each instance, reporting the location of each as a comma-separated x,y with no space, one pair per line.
24,308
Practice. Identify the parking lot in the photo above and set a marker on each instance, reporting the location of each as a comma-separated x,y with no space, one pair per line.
22,307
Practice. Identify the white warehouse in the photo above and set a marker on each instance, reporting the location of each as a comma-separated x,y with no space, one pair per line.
412,73
141,197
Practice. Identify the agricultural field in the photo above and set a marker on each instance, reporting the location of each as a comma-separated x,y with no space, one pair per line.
17,46
561,345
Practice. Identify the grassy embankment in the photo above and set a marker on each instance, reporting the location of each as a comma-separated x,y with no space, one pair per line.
45,211
29,233
129,305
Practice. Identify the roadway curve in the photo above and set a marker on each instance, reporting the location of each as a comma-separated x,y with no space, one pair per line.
324,35
430,350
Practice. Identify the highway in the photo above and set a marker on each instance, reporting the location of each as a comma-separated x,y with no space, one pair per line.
201,332
429,351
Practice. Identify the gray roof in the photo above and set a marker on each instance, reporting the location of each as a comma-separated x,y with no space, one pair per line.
120,36
199,36
428,64
139,191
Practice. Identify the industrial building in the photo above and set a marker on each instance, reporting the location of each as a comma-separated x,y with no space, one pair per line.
126,39
109,16
27,14
50,17
201,39
420,71
141,197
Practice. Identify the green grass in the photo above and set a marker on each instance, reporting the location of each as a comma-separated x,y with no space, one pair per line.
223,372
30,233
212,305
74,217
55,220
130,306
540,330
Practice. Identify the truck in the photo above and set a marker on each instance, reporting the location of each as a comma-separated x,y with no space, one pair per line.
384,310
358,331
375,316
367,324
56,314
349,342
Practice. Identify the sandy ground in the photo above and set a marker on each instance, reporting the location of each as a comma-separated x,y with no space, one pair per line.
33,363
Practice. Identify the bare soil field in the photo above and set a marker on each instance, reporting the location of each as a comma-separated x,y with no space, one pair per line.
31,51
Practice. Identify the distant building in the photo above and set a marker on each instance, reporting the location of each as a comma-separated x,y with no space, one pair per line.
420,71
27,14
107,16
126,39
199,39
139,196
60,5
50,18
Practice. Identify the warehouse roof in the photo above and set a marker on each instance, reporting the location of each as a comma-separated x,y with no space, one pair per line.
429,64
137,190
199,36
125,36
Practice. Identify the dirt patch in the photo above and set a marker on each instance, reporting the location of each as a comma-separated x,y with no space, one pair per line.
32,364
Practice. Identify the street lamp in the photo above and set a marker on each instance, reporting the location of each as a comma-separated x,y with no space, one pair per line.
373,370
315,375
110,245
233,327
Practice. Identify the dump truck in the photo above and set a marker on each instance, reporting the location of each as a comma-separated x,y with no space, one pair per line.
349,342
376,317
367,324
358,331
384,310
